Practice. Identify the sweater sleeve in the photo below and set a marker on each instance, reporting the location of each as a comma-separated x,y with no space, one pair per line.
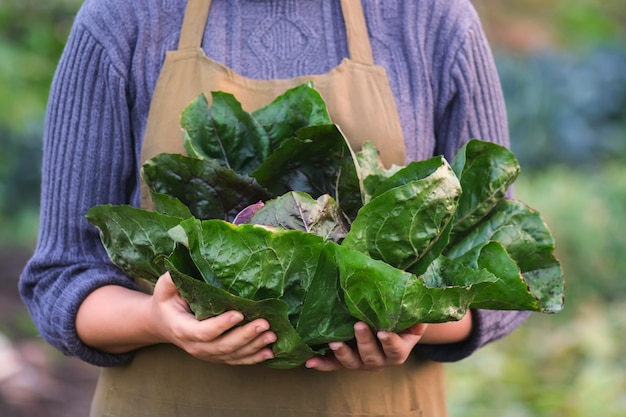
472,106
89,159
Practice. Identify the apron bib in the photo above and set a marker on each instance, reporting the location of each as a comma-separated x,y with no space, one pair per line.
163,380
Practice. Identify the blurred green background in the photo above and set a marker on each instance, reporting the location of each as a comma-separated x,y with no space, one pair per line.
562,65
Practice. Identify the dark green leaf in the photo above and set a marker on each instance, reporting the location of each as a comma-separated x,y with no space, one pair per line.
527,241
433,253
253,262
383,296
207,301
402,224
299,107
317,161
224,132
510,291
486,171
135,239
208,189
324,317
181,260
187,235
390,299
172,206
491,278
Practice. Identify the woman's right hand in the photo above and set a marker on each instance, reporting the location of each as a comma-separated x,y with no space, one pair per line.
114,319
217,339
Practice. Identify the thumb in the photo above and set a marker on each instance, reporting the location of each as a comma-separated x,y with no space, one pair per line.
165,287
417,329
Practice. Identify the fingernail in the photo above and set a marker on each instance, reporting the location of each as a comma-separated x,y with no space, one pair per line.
360,327
334,345
236,317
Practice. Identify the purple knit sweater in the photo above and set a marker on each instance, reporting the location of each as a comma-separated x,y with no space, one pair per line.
439,65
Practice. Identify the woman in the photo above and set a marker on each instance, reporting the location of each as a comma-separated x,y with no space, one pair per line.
417,77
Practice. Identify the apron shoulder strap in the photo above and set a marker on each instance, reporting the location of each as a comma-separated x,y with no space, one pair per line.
194,23
356,29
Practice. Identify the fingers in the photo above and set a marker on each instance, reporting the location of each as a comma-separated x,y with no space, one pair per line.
370,353
373,352
367,355
326,363
417,329
398,346
221,339
396,349
165,289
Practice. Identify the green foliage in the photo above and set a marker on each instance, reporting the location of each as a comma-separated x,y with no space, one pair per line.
584,22
431,241
566,24
550,367
32,36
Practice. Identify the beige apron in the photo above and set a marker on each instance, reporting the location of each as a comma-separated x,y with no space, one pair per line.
163,380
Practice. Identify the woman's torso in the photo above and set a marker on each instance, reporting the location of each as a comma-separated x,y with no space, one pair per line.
163,380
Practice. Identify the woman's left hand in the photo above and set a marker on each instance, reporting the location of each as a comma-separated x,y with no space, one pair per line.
373,352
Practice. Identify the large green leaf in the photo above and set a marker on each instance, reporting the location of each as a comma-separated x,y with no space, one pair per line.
385,297
188,234
325,317
390,299
251,261
207,301
136,240
492,278
317,161
208,189
403,223
510,291
528,241
486,171
224,132
172,206
257,264
299,107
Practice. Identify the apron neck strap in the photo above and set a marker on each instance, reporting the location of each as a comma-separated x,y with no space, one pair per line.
359,48
194,22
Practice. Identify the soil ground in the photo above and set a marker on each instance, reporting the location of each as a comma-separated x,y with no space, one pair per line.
35,379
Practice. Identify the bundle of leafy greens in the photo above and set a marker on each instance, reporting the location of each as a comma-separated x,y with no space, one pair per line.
271,213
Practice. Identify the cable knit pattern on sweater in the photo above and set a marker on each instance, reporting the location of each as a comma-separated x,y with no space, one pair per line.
439,66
